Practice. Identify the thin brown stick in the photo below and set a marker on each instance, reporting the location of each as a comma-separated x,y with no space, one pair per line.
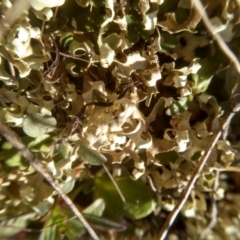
199,7
55,13
171,217
73,56
50,72
15,140
42,30
163,233
115,184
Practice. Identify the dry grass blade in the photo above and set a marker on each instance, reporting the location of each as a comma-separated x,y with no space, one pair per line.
115,184
14,139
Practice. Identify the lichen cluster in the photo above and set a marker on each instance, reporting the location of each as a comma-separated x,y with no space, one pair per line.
124,84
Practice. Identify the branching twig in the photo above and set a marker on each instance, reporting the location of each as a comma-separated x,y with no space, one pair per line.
15,140
52,70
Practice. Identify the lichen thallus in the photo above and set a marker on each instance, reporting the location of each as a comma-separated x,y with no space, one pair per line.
233,86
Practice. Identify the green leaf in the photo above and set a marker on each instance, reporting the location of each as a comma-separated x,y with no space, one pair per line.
15,225
51,230
68,186
91,156
12,158
169,41
96,208
37,124
167,157
139,202
91,213
132,35
177,107
61,151
103,223
41,142
74,229
52,233
203,77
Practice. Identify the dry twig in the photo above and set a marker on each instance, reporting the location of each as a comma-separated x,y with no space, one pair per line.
15,140
168,223
198,5
235,107
10,16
